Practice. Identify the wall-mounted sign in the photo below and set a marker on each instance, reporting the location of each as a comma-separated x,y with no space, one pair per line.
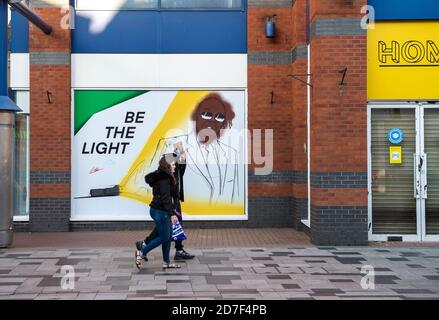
395,154
403,61
395,136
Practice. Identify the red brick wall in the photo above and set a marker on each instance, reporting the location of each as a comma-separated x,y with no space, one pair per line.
335,8
298,14
338,127
339,115
58,40
256,32
263,79
50,122
299,102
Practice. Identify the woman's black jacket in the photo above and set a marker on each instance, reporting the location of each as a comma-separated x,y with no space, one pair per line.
165,192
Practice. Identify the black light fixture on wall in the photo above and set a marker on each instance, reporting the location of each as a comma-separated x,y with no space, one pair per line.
270,26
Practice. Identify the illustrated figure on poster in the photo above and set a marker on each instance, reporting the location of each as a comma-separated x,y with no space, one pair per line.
208,159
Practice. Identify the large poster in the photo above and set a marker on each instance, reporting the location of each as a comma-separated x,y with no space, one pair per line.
119,137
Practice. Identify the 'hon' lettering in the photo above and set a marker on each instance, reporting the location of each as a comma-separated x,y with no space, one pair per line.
408,53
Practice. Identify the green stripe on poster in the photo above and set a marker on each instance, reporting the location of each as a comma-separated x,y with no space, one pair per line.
89,102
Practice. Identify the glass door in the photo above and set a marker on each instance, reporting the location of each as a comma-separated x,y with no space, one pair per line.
403,159
430,230
394,196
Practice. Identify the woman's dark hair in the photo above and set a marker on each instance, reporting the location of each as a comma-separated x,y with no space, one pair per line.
165,165
229,116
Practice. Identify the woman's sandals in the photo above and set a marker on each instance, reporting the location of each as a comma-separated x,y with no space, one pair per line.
138,258
170,266
165,266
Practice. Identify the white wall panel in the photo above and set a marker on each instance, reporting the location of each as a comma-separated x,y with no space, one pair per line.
114,70
19,71
23,101
159,71
203,70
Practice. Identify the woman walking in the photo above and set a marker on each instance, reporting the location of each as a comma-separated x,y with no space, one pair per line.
162,209
180,253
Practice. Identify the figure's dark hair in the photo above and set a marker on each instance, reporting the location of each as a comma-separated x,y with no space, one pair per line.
228,109
165,165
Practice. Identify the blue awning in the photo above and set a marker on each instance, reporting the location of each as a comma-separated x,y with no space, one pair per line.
405,9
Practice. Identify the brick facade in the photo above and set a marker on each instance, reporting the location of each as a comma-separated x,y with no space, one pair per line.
338,113
338,124
299,105
269,107
50,122
275,101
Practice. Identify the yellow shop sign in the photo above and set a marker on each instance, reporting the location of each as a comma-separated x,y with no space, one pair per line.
403,61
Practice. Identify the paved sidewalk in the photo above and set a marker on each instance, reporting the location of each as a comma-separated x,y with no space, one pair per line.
287,271
197,238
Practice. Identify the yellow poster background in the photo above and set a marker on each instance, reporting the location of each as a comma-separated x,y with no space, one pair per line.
175,117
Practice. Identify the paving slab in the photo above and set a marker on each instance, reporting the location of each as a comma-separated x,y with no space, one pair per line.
278,268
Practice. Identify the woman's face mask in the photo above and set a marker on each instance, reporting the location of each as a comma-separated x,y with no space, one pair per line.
173,167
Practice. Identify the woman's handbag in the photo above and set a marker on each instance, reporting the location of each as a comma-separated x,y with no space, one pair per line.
178,232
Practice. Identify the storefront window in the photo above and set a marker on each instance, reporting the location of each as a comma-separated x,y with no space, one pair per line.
201,4
116,4
21,194
156,4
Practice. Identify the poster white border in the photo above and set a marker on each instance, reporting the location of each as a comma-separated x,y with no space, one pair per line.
244,217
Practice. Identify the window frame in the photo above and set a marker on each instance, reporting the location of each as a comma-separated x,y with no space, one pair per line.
159,8
26,112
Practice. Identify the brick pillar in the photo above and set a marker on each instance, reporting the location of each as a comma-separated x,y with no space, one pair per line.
269,107
50,93
338,124
299,106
